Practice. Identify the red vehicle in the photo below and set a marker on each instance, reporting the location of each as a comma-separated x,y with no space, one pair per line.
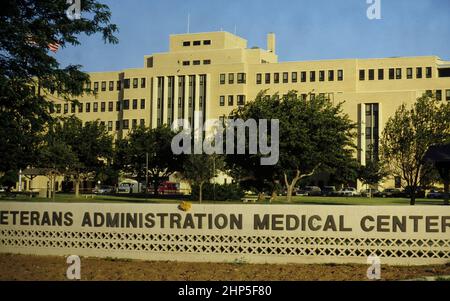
167,188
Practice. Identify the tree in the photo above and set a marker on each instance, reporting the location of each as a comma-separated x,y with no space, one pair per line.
155,144
28,72
77,151
408,135
200,169
314,135
372,173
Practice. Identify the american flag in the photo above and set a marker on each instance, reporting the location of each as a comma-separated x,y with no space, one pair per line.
53,47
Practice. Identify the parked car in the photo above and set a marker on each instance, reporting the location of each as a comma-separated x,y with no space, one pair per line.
313,191
420,192
390,193
436,194
369,192
329,191
104,189
2,189
349,192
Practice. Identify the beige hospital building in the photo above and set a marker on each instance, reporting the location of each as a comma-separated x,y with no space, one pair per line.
217,72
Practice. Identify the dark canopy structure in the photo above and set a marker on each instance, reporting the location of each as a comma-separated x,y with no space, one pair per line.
439,155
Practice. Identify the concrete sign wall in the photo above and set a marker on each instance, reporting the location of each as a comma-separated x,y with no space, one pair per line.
229,233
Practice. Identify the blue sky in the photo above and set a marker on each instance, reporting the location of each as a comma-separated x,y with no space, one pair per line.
305,29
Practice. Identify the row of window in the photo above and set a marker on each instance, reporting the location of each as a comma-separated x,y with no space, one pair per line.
439,94
396,73
231,98
104,106
118,85
294,77
196,43
196,62
123,124
241,78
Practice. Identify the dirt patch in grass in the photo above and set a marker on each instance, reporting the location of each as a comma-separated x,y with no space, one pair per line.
20,267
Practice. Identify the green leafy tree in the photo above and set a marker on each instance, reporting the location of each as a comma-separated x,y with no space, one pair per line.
408,135
153,144
77,151
314,135
372,173
198,170
28,72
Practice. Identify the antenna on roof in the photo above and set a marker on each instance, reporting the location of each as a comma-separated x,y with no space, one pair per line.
189,23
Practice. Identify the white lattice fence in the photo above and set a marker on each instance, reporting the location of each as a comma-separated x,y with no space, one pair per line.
244,244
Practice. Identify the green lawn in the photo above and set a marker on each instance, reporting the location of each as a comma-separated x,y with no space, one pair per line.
67,198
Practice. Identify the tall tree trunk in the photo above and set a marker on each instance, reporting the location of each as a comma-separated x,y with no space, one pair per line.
447,193
290,186
77,188
413,198
200,194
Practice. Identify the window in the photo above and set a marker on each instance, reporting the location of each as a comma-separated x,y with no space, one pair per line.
419,72
294,77
95,109
259,79
134,124
88,85
186,43
231,78
135,104
135,83
126,83
312,76
73,108
372,131
80,108
330,75
197,43
398,73
126,124
95,86
241,78
88,107
110,126
142,122
58,109
285,77
429,72
230,100
222,79
206,62
110,106
207,42
340,75
117,125
438,94
267,78
429,93
126,104
196,62
241,100
103,86
321,76
391,73
303,77
409,73
447,95
371,74
143,82
362,74
119,85
276,78
380,74
103,106
222,101
111,86
312,96
142,104
186,63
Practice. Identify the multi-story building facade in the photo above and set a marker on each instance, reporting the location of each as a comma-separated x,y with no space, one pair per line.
216,72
